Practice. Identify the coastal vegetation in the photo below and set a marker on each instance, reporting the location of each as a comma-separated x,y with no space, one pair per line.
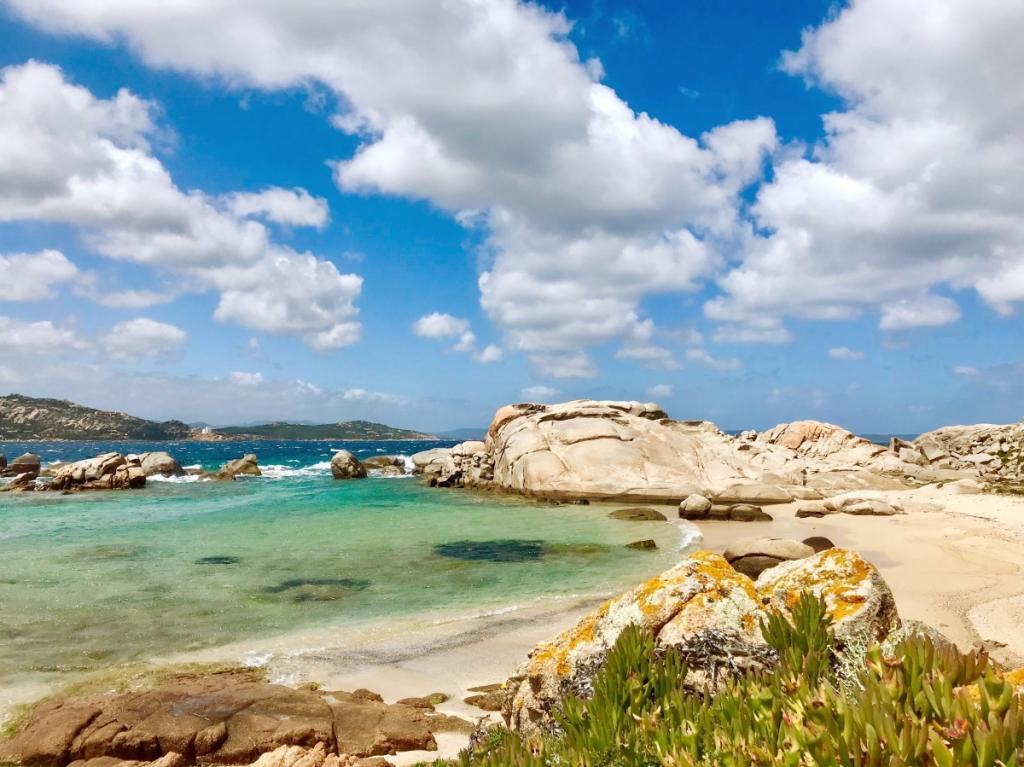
917,702
355,430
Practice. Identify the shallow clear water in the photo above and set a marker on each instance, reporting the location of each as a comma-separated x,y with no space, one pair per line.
96,579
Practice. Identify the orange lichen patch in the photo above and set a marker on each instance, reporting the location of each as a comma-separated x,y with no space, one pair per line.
838,576
695,586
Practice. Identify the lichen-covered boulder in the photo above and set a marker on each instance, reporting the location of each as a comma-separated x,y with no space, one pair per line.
703,606
344,465
858,599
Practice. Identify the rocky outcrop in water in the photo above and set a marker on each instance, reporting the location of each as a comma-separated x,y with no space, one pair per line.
108,471
344,465
220,718
26,463
246,466
708,610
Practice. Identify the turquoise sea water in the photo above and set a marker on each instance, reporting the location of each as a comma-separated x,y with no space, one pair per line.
96,579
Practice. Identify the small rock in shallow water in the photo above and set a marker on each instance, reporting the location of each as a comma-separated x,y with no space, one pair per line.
645,545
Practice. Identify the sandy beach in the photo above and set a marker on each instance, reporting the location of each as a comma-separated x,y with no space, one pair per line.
953,561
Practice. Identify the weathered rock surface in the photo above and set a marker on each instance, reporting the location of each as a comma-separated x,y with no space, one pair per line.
858,598
225,718
609,450
753,493
161,463
736,512
752,556
699,599
647,544
639,514
108,471
694,504
818,543
344,465
247,465
26,462
488,697
21,483
992,452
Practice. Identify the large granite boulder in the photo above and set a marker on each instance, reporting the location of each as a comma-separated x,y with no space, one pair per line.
752,556
344,465
701,603
107,471
161,463
246,466
857,597
610,450
24,464
221,718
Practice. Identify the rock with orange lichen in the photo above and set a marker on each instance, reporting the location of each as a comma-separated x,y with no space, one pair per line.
703,606
858,599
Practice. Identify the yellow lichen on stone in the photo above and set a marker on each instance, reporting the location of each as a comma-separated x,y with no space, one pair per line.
1016,678
837,579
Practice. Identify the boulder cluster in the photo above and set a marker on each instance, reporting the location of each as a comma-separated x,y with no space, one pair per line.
995,453
710,611
609,450
107,471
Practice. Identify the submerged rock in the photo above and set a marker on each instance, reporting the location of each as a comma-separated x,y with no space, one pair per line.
508,550
639,514
218,559
317,589
246,466
344,465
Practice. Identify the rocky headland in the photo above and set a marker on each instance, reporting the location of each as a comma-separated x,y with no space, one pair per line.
632,451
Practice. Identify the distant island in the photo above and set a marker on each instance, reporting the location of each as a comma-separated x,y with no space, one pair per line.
340,430
32,418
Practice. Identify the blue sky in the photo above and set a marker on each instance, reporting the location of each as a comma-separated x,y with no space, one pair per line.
416,212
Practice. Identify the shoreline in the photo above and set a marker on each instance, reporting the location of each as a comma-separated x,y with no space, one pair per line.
951,561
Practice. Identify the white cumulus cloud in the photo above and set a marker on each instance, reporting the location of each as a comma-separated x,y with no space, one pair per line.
916,183
143,338
69,157
539,393
661,390
295,207
845,353
32,276
439,326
